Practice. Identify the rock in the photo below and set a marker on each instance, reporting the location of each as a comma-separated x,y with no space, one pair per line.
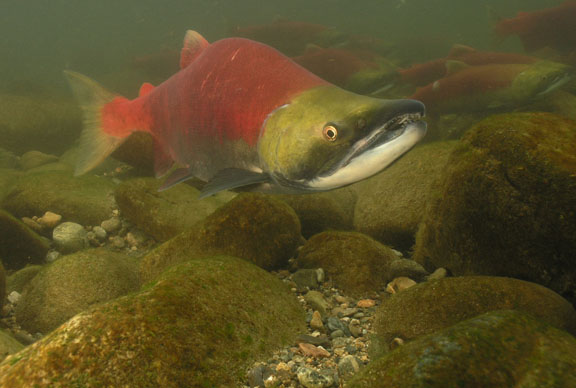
355,262
100,233
8,344
366,303
309,378
19,245
48,124
14,297
333,324
8,179
19,279
305,279
138,152
318,212
317,301
111,225
213,314
310,350
258,375
434,305
52,256
72,284
407,268
86,200
497,349
399,284
33,159
49,220
164,214
253,226
439,273
391,204
348,366
69,237
316,321
505,205
8,160
321,340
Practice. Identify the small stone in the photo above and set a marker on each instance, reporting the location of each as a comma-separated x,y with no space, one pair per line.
439,273
50,220
334,323
316,321
317,301
283,371
366,303
14,297
91,237
118,242
135,238
320,275
310,378
355,328
258,375
99,233
33,159
337,334
305,279
313,351
52,256
406,268
344,312
339,342
111,225
321,340
348,366
32,224
69,237
399,284
396,342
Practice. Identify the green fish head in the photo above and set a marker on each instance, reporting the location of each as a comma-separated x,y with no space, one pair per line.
541,78
327,137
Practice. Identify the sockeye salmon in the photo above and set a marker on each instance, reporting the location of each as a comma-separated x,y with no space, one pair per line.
241,114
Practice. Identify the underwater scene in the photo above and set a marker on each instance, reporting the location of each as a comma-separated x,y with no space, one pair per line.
327,193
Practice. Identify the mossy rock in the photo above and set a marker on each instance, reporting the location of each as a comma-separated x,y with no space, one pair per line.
353,261
72,284
254,227
8,344
19,245
8,178
164,214
8,160
437,304
20,279
391,204
506,205
138,152
199,325
87,200
41,123
318,212
498,349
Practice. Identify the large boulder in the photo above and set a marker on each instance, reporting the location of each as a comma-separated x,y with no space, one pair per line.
253,226
506,204
199,325
498,349
437,304
18,280
391,204
42,123
164,214
87,200
353,261
73,283
19,245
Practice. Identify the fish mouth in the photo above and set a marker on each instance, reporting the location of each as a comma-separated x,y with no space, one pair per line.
556,83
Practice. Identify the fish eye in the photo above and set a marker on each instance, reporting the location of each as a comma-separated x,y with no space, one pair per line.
330,132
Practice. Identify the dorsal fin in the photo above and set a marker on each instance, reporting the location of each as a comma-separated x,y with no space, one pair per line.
145,89
458,50
194,43
455,66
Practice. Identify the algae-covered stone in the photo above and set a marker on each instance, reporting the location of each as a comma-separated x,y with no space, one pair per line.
73,283
506,205
8,178
87,200
8,344
164,214
200,325
42,123
19,245
20,279
255,227
497,349
138,152
34,159
353,261
437,304
391,204
330,210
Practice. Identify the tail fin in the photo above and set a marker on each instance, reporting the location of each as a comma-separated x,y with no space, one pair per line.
95,143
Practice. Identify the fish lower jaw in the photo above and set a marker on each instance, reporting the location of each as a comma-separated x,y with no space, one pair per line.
373,159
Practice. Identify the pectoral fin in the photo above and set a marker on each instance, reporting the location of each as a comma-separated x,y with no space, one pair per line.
177,176
231,178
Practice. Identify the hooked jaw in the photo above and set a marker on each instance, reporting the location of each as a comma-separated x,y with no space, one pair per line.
393,136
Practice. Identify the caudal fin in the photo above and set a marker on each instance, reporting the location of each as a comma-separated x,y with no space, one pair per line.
95,143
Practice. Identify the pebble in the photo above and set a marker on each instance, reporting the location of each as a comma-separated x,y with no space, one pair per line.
305,279
313,351
366,303
99,233
355,328
69,237
407,268
316,321
118,242
52,256
333,324
49,220
135,238
439,273
399,284
14,297
111,225
32,224
317,301
313,379
321,340
348,366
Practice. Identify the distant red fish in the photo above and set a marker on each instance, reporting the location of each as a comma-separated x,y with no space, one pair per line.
552,27
241,114
290,37
426,73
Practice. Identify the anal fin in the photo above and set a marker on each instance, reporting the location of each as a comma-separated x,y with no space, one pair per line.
178,176
231,178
